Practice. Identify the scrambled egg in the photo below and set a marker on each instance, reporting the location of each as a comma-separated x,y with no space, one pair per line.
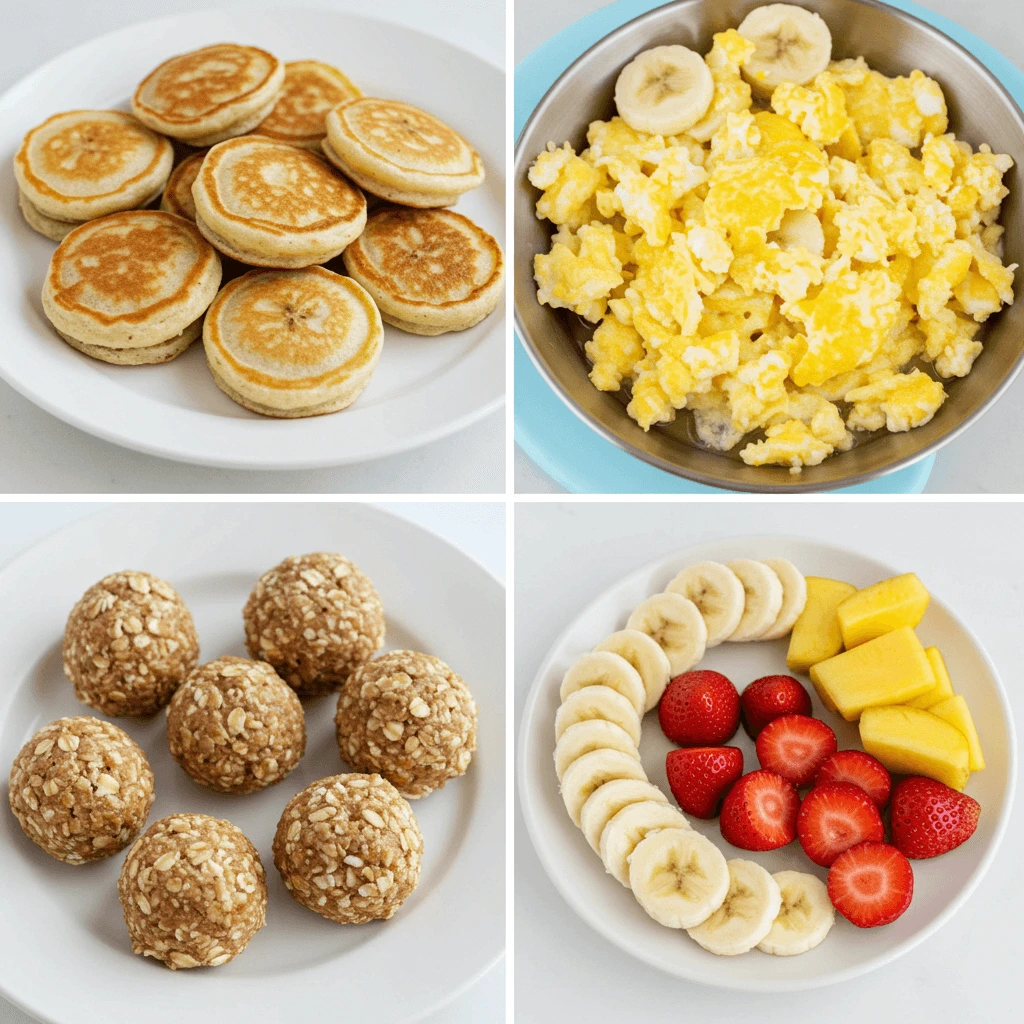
789,272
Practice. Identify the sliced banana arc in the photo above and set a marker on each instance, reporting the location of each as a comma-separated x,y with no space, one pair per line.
763,599
595,734
746,914
602,668
606,801
645,656
805,917
793,45
676,625
598,702
664,90
679,877
794,597
718,594
628,827
592,770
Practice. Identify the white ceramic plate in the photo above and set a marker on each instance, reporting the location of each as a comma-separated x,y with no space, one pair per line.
422,389
64,950
940,885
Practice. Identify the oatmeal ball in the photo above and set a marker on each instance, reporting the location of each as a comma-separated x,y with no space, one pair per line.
81,789
349,848
128,644
316,619
236,726
193,891
410,717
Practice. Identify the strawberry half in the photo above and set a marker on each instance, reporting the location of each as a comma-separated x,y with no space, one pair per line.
698,776
795,746
699,709
772,697
929,818
759,812
834,817
861,769
871,884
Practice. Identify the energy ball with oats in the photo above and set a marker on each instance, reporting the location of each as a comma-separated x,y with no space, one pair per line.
193,891
349,848
235,725
410,717
315,618
81,789
128,644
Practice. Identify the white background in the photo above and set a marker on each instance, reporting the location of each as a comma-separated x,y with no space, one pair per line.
41,454
478,528
971,556
976,462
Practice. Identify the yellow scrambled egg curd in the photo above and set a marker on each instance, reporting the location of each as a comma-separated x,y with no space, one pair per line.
787,271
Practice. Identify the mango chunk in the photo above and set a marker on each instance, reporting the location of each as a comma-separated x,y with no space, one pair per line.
943,686
955,711
916,742
816,634
881,608
891,669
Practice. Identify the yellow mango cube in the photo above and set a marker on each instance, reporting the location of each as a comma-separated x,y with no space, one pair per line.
881,608
891,669
916,742
816,634
955,711
943,686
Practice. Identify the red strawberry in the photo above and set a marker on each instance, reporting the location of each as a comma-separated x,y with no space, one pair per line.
771,697
834,817
871,884
795,746
698,776
929,818
861,769
699,709
759,812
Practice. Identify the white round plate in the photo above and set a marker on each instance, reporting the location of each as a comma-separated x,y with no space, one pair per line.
64,950
422,389
940,885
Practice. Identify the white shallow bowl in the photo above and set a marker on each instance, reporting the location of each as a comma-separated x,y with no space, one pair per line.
64,950
941,885
422,389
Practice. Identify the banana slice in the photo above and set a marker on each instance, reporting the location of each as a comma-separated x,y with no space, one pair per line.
716,590
763,599
606,801
679,877
676,625
747,914
627,827
592,770
793,45
799,229
595,734
664,90
805,918
645,656
794,597
598,702
602,668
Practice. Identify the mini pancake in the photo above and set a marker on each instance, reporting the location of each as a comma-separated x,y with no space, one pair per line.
311,89
177,197
429,271
291,343
84,164
400,152
130,287
269,204
211,94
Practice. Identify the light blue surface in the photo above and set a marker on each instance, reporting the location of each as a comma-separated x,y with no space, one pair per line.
565,447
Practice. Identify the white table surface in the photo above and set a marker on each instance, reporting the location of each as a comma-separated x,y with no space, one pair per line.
478,528
971,556
975,463
41,454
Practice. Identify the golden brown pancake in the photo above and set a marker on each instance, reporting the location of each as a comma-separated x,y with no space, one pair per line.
177,197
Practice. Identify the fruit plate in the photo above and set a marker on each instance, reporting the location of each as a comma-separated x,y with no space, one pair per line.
65,919
422,389
942,885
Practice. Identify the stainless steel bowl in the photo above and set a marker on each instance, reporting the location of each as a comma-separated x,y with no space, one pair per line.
980,110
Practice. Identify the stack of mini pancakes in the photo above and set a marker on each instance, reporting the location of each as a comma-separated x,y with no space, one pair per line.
278,166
